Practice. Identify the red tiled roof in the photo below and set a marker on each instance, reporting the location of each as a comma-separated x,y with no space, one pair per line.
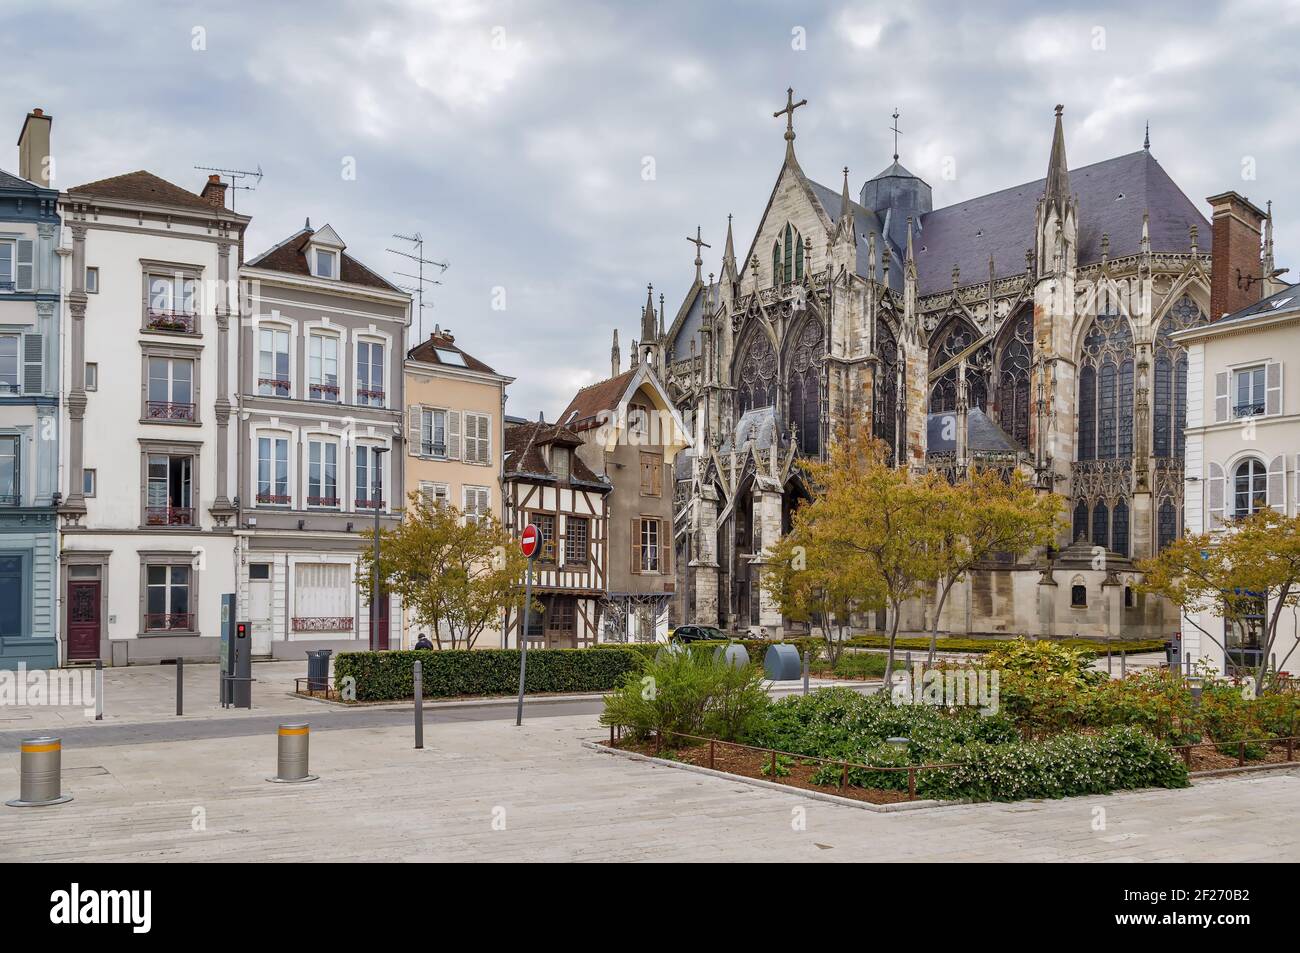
583,410
290,258
145,187
427,352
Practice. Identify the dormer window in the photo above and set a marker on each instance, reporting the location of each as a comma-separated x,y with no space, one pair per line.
324,263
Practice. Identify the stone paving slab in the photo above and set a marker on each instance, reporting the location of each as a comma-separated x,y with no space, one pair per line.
380,800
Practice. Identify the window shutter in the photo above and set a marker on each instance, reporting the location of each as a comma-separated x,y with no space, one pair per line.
636,545
453,435
1216,496
414,413
33,363
1221,396
485,431
25,267
1273,388
1277,483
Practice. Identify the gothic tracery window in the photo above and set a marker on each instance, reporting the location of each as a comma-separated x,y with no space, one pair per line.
806,362
756,376
943,393
885,410
1014,364
1106,390
1169,418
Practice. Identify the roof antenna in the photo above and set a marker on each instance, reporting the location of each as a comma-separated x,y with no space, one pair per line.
233,175
417,289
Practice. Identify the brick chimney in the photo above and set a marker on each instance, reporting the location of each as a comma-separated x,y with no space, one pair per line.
34,162
1235,276
214,190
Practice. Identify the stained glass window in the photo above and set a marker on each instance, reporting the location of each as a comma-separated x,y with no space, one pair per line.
1119,528
1080,530
756,383
805,386
1169,417
885,422
1106,409
1166,524
1101,525
943,394
1014,364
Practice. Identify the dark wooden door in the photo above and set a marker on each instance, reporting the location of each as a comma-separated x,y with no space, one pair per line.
83,620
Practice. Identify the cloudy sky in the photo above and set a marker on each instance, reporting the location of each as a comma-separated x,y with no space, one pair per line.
557,154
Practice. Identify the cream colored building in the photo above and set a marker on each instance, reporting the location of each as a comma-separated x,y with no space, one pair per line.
1243,450
455,407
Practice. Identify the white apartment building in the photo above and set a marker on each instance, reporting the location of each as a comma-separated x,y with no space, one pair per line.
148,382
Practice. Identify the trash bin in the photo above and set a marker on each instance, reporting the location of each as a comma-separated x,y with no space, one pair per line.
782,663
1171,655
318,669
734,655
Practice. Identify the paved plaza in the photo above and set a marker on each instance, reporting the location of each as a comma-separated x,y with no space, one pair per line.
151,788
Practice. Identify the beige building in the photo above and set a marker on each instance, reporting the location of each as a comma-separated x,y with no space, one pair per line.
1243,438
454,416
631,435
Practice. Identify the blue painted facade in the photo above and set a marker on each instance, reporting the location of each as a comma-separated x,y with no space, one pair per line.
29,423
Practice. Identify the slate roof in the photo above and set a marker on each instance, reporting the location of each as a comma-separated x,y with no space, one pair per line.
983,435
8,181
587,403
144,187
1288,299
524,457
866,222
1002,223
290,257
427,353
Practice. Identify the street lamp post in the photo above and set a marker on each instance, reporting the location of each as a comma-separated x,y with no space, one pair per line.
376,491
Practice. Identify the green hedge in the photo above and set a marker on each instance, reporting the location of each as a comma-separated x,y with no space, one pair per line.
914,643
388,676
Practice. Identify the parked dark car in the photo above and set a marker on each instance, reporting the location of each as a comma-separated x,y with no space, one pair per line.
698,633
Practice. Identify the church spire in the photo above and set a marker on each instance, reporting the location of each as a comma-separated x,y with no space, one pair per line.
648,316
614,357
1146,140
729,255
1058,174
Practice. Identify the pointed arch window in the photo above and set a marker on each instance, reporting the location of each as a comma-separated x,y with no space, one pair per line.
885,405
1080,529
1119,528
943,393
1101,526
1106,390
1169,418
1166,523
806,360
787,257
756,374
1014,363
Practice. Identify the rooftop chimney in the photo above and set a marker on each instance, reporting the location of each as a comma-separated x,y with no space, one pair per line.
1235,277
214,191
34,162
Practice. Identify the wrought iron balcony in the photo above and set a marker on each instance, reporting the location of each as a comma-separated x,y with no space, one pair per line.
182,321
169,516
367,396
322,623
433,449
169,621
10,499
170,410
1249,409
7,286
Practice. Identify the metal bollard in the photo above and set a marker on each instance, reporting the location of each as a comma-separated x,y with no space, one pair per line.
180,686
41,774
292,763
805,671
1123,663
99,689
419,704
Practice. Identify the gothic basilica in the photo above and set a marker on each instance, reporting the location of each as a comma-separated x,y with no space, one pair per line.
1038,316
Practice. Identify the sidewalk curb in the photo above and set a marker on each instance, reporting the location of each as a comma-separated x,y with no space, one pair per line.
893,808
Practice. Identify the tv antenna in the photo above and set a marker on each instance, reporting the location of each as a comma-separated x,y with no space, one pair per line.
417,289
235,175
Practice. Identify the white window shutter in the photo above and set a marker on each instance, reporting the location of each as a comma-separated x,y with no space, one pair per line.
1221,396
1273,388
1216,496
33,363
427,493
25,266
1277,483
453,435
485,434
413,423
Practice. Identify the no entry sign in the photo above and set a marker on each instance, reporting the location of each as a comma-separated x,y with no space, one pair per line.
530,540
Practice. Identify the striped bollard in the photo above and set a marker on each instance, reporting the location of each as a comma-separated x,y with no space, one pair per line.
41,774
291,765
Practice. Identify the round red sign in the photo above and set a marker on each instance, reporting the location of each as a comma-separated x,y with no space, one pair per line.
529,540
